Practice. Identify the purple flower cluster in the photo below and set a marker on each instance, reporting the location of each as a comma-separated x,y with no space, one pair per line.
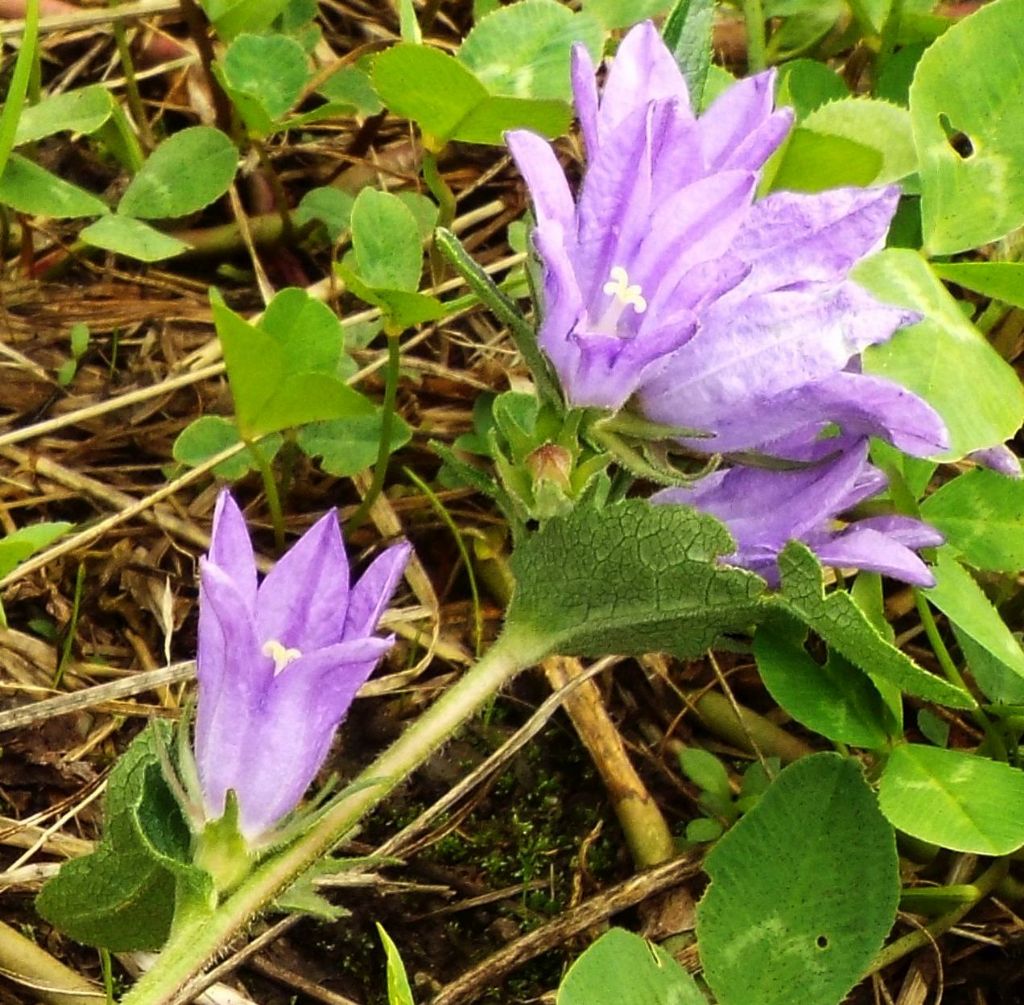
280,662
670,286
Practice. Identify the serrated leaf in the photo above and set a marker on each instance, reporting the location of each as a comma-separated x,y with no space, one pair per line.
803,889
30,189
83,110
954,799
880,125
836,700
805,84
631,578
981,513
687,33
965,109
522,50
124,235
960,598
624,969
184,174
275,385
347,446
944,358
843,625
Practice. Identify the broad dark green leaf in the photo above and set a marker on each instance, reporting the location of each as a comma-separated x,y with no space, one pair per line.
631,578
803,890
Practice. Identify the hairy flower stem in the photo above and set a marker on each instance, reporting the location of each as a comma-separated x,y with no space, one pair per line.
195,943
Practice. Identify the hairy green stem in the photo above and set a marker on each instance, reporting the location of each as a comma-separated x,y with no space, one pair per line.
757,46
387,419
194,945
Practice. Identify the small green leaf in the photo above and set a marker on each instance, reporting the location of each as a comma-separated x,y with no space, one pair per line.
209,435
265,76
184,174
705,771
836,700
30,189
624,13
981,514
954,799
880,125
386,242
624,969
124,235
960,598
428,86
999,280
274,384
842,624
813,162
26,541
703,830
522,50
351,87
232,17
631,578
331,206
80,111
399,991
944,358
803,889
964,105
687,33
805,84
348,446
403,309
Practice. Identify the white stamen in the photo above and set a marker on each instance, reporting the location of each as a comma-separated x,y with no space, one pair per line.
627,295
280,654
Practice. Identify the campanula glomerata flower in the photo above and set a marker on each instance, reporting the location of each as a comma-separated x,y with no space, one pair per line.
668,283
279,663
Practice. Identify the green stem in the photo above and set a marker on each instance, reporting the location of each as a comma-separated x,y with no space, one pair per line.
380,469
19,83
921,937
194,945
757,45
273,496
953,675
445,197
131,84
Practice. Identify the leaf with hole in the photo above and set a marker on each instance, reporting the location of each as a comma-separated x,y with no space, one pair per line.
954,799
965,106
944,358
185,173
803,889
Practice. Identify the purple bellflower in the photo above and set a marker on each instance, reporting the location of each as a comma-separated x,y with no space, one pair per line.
764,509
279,663
668,282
